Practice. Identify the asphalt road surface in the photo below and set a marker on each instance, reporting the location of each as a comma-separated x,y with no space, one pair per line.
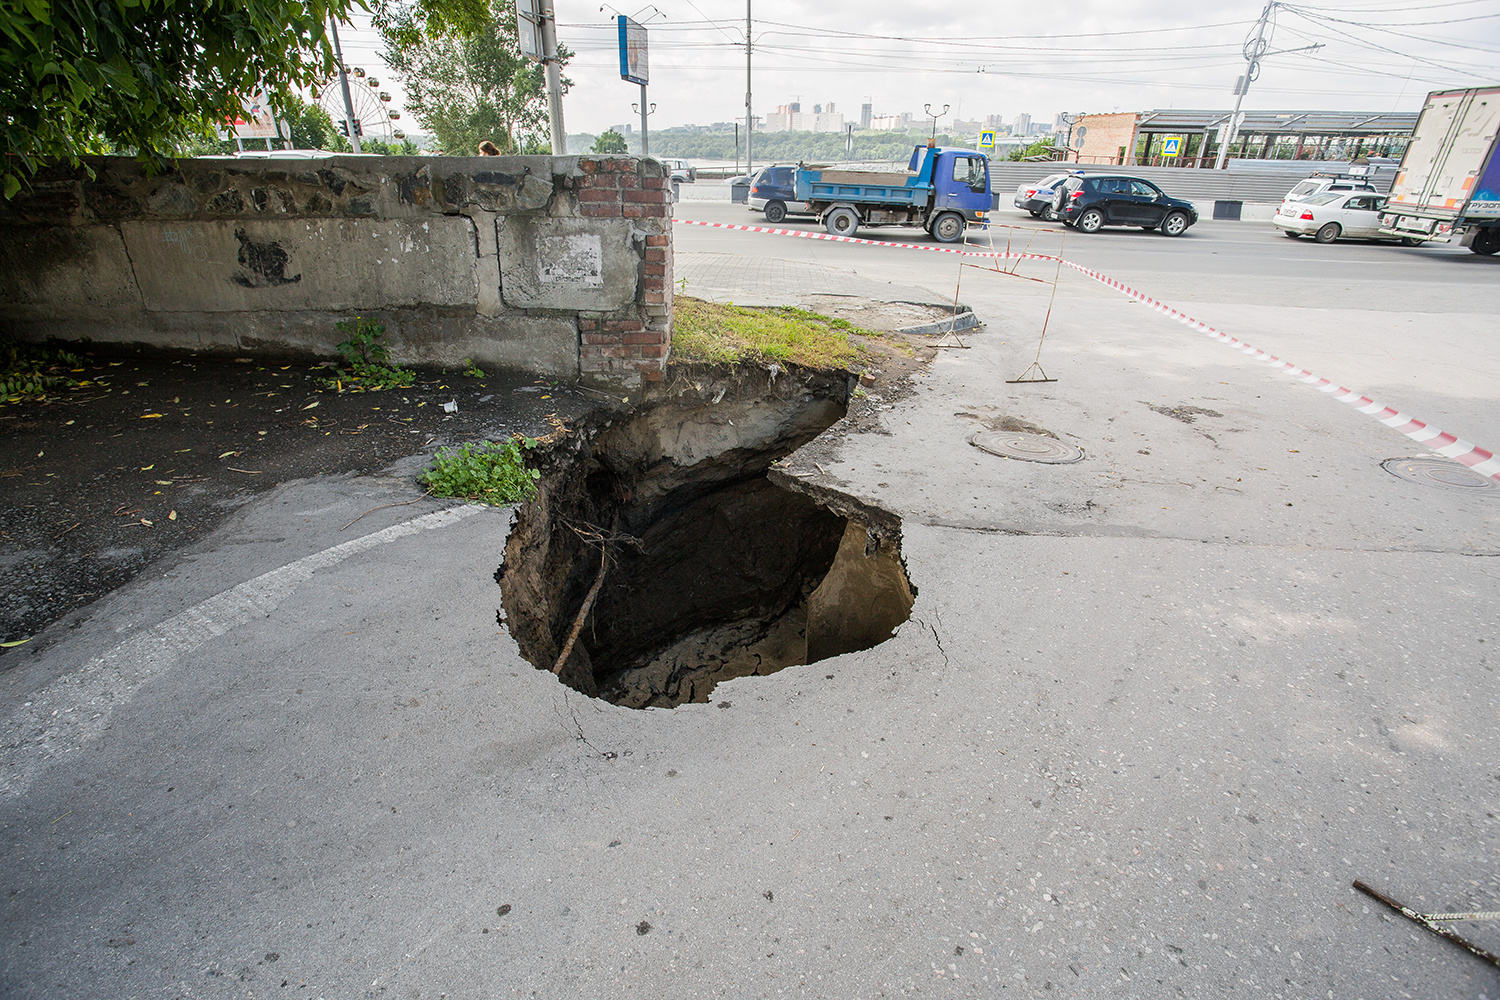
1154,711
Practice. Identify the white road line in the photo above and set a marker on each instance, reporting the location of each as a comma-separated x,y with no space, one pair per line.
73,708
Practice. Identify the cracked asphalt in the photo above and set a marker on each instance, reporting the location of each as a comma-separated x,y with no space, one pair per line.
1152,715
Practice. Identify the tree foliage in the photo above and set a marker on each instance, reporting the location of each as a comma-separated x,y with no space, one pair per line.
156,77
610,142
1041,148
80,77
465,89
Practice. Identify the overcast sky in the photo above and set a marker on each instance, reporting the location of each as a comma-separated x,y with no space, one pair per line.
1038,57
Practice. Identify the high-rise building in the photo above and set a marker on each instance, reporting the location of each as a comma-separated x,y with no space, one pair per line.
790,118
1021,124
994,121
866,112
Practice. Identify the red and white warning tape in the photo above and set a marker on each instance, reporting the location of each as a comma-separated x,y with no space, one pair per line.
1448,445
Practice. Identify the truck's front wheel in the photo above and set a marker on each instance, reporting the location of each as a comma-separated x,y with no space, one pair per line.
841,222
948,227
1486,241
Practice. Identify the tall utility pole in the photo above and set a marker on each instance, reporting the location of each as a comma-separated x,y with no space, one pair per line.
338,53
1254,49
645,135
749,118
547,15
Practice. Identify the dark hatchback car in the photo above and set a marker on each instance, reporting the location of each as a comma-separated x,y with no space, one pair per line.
1093,201
771,191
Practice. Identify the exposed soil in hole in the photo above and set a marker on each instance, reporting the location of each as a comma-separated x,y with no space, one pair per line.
710,569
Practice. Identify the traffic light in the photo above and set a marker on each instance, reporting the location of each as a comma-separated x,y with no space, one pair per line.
359,128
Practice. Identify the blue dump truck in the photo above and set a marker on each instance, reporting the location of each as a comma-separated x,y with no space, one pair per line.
943,190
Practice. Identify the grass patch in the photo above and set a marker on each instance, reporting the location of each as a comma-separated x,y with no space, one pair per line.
724,334
492,472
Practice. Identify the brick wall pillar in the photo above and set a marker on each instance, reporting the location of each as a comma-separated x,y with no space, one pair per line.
630,345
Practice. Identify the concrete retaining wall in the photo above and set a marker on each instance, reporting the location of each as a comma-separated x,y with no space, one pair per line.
558,265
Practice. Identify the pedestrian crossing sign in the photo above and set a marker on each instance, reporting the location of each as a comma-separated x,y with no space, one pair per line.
1171,145
987,140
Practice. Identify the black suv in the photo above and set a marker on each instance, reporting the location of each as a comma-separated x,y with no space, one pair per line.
1093,201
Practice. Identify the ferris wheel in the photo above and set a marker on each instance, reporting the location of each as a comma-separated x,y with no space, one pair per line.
373,112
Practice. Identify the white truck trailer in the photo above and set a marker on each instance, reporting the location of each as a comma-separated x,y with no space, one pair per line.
1448,187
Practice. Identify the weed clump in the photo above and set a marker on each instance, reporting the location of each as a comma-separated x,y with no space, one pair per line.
492,472
29,372
366,357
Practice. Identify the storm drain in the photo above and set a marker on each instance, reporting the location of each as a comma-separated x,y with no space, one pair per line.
1441,472
1027,447
659,558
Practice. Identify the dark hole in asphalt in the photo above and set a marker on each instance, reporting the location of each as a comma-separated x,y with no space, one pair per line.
660,558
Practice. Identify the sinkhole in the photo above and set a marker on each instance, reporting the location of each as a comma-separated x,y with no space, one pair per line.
665,552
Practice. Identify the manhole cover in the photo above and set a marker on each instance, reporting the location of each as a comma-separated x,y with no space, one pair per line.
1027,447
1440,472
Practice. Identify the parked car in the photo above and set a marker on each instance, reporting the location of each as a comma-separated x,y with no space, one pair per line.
1335,215
1093,201
739,189
1322,183
679,171
772,192
1036,197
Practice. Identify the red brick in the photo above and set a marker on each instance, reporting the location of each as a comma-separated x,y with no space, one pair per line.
588,194
654,183
629,181
597,211
656,253
658,241
637,212
601,338
655,269
616,166
654,298
603,181
647,197
619,325
648,367
645,337
651,351
588,166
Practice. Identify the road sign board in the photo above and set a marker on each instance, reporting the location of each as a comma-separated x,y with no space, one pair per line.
633,61
529,29
987,140
1171,146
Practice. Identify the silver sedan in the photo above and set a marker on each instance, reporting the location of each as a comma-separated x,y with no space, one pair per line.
1334,215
